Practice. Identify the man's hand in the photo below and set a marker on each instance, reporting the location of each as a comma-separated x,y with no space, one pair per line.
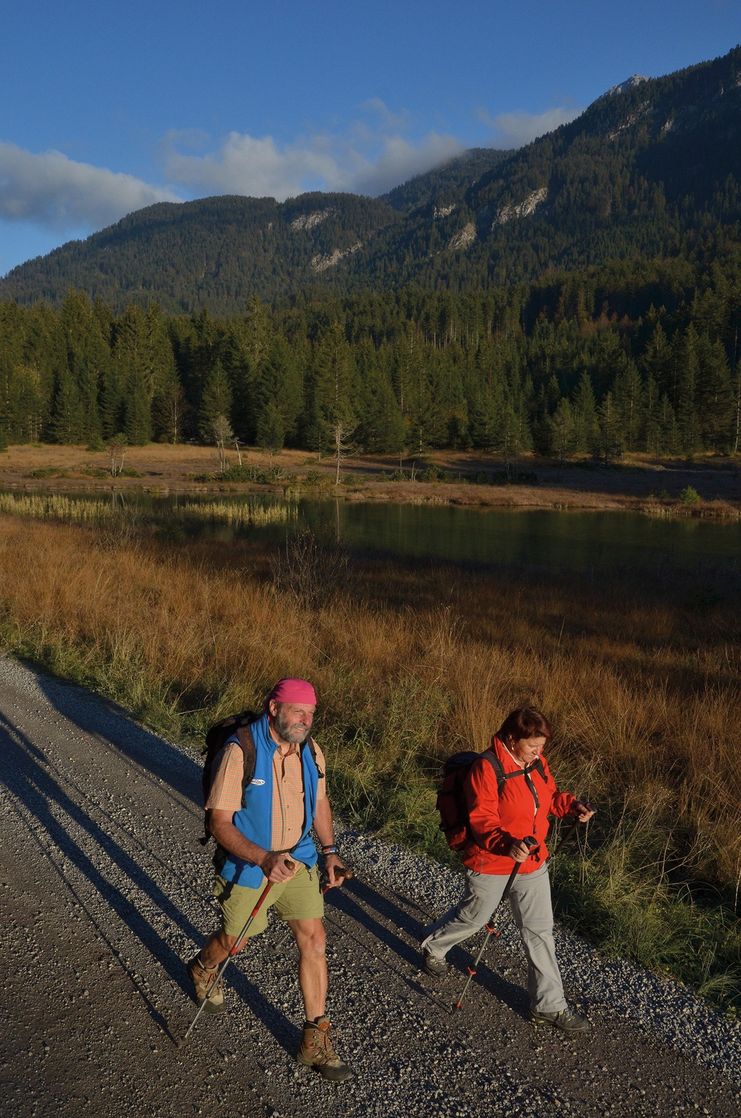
336,870
582,811
278,867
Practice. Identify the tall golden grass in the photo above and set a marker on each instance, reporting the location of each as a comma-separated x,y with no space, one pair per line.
642,687
56,507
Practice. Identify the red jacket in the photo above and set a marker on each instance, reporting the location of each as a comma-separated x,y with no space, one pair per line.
522,809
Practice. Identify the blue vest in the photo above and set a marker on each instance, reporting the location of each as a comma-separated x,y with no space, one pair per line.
255,818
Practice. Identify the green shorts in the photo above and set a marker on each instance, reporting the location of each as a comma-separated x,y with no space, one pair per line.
297,899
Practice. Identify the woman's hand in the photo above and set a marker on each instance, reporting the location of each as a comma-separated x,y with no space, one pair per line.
581,811
519,850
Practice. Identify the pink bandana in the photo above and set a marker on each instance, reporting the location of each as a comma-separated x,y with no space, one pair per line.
298,691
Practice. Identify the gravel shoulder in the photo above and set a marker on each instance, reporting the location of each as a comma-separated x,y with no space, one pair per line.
104,894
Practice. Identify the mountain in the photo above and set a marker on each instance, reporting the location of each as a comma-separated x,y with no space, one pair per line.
214,252
650,169
447,183
648,165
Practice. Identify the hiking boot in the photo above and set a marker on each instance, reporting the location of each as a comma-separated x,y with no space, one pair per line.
317,1052
568,1022
202,977
436,968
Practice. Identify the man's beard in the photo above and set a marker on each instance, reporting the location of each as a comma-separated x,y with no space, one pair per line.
294,732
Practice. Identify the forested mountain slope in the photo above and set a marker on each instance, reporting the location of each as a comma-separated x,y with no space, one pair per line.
650,169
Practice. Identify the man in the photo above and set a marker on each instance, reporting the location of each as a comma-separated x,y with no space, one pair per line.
264,831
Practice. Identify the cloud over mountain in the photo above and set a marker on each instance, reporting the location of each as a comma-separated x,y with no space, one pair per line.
369,157
514,130
51,190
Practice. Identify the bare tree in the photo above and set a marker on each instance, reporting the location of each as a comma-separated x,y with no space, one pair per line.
116,454
223,434
341,435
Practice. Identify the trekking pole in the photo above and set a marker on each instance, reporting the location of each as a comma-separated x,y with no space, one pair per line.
567,831
232,952
570,828
490,929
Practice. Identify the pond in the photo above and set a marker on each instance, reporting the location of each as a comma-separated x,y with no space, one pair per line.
583,544
535,539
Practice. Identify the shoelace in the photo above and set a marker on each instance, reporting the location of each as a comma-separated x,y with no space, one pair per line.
208,974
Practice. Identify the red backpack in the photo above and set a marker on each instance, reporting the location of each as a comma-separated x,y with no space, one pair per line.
451,800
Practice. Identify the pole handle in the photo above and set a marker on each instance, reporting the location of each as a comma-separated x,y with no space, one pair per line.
342,872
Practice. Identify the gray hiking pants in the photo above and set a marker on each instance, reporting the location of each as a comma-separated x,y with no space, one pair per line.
530,899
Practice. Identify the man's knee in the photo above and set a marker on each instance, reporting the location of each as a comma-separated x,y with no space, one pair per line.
311,939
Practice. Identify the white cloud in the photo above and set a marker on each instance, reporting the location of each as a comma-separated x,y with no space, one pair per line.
55,192
514,130
400,160
364,159
255,166
389,119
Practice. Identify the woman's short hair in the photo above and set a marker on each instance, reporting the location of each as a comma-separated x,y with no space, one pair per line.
525,722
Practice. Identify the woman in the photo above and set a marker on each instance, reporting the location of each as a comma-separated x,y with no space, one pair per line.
510,793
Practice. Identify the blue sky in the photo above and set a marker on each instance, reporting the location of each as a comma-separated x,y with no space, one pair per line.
110,107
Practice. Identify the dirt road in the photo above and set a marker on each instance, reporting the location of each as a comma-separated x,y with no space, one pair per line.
105,894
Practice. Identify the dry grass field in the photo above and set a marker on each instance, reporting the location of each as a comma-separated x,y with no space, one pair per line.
641,683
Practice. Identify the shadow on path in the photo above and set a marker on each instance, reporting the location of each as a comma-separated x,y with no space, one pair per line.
24,770
354,900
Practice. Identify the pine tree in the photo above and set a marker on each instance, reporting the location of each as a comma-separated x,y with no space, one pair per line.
278,383
652,422
331,390
380,426
670,437
628,396
112,393
657,360
586,424
87,356
687,370
137,408
715,395
67,421
611,443
271,429
562,435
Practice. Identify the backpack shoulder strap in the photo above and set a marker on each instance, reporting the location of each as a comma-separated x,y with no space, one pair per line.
538,766
243,734
498,767
312,745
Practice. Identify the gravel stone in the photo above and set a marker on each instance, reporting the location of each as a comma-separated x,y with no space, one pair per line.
104,894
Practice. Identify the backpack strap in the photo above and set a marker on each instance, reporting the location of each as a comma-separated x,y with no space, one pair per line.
243,734
503,777
312,744
498,767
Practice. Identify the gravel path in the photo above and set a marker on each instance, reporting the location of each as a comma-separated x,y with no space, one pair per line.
105,893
